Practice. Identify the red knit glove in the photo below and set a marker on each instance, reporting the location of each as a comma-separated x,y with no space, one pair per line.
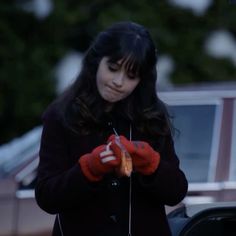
144,158
99,162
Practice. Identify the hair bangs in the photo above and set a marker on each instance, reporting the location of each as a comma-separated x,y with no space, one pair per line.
133,58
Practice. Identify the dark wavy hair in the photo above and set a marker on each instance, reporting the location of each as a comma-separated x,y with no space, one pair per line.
83,109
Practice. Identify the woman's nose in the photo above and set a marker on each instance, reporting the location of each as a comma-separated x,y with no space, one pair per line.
118,79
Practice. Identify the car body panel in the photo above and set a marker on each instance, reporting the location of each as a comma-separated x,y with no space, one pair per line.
210,163
204,219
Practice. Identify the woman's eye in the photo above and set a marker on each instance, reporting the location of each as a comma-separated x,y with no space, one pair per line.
132,76
112,67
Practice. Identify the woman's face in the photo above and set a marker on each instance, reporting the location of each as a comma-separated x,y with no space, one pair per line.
114,83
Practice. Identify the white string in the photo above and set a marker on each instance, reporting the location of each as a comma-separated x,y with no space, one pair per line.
130,184
59,222
115,131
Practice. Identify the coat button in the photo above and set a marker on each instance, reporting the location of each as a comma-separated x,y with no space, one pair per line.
114,184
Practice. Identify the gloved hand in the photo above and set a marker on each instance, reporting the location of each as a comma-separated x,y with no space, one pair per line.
99,162
144,158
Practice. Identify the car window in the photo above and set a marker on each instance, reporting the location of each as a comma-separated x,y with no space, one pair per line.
232,175
193,138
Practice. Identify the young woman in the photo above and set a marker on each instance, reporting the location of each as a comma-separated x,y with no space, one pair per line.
107,159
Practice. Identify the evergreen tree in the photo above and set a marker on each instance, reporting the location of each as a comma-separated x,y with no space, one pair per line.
31,47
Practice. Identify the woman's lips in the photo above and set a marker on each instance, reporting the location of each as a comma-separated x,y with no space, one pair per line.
114,89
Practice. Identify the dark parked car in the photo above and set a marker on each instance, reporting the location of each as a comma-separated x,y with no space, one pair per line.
205,140
216,219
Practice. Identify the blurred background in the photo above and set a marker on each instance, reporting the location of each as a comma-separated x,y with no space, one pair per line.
196,42
41,45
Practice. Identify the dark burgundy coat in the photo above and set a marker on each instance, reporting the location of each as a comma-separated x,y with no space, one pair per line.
101,208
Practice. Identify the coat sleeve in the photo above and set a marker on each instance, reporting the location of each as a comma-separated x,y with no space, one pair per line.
168,185
59,186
